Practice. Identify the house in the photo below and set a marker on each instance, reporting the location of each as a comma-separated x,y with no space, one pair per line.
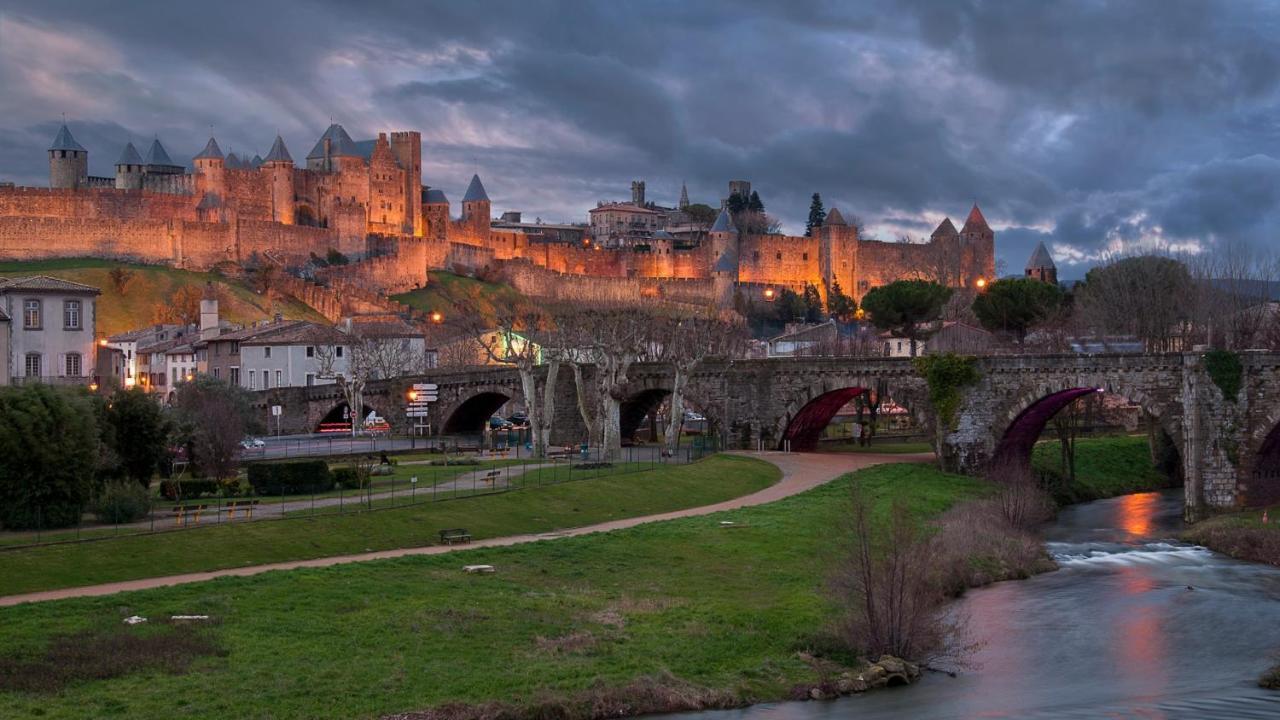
49,330
953,336
125,372
803,339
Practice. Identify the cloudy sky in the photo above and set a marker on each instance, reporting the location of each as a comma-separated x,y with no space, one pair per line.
1095,126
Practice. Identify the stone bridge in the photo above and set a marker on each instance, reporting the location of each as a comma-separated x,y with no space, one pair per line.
1229,447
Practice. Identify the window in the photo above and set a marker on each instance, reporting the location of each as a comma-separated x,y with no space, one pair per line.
31,314
73,365
175,376
71,315
266,351
805,256
311,379
779,257
233,374
235,348
337,352
311,351
279,374
756,256
253,383
217,373
33,365
266,379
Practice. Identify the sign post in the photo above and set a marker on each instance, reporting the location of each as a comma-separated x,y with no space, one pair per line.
421,395
277,411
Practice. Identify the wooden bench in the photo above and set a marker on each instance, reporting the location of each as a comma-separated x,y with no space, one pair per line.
491,476
245,506
184,514
559,453
455,535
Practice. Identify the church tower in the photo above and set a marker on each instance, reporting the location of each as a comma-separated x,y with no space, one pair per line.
68,162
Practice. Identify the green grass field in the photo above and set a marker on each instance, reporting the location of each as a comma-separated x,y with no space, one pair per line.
445,292
880,447
686,601
535,509
150,287
1105,467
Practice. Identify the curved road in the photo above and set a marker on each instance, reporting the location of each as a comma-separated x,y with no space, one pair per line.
800,472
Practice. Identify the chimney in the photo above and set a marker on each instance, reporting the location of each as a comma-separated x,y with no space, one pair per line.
208,313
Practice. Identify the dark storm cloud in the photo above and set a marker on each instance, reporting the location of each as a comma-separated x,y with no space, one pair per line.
1092,125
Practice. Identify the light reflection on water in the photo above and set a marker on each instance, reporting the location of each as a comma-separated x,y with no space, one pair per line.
1132,625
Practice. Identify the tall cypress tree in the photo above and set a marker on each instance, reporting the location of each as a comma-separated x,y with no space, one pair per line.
755,204
817,215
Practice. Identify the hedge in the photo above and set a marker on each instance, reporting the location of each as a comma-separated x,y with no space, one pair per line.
348,478
296,477
188,489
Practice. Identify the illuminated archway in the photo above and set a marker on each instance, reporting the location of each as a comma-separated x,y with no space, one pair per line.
338,420
806,426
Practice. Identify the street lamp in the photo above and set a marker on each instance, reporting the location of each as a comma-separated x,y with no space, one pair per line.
437,317
981,283
769,294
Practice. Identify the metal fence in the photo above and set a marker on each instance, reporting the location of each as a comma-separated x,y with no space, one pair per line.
413,478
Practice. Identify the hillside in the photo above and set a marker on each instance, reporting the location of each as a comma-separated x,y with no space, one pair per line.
446,291
150,291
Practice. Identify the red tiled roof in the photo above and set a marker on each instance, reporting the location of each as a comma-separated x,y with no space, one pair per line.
46,283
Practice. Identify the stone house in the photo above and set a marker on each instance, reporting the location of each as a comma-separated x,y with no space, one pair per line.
49,331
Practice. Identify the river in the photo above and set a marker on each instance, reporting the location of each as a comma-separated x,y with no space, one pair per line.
1133,625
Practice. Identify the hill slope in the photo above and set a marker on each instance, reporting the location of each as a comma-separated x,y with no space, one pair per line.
445,292
151,289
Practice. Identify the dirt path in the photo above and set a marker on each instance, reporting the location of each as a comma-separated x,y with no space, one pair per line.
800,472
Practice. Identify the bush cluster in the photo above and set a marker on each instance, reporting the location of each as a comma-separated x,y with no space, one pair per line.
348,478
188,489
122,502
297,477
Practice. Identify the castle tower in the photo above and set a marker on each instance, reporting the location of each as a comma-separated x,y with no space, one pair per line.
211,169
946,230
1041,266
837,254
742,188
637,193
684,196
68,161
407,149
278,165
386,189
723,238
129,169
980,244
475,207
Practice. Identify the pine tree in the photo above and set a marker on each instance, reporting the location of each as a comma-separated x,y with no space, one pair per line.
817,215
736,204
755,204
812,304
841,307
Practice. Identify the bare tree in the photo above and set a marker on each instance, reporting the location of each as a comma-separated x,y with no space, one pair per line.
1235,284
1150,297
685,340
357,358
513,343
612,339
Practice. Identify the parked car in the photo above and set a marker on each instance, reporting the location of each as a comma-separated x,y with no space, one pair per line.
499,423
252,443
691,416
519,418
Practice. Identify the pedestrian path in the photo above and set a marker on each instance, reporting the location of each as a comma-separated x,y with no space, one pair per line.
800,472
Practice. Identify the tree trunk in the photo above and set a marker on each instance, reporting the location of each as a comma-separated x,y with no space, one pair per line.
548,409
676,421
589,415
529,387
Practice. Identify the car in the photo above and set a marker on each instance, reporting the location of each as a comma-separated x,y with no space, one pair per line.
519,418
691,416
251,443
499,423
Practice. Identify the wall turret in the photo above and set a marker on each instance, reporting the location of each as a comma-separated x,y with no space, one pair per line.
278,165
723,238
129,169
68,162
475,207
211,168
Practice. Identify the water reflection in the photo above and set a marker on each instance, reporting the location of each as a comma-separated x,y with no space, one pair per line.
1115,633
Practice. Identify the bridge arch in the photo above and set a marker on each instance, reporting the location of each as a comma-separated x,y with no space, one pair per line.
801,426
1262,485
646,396
338,419
1025,418
470,413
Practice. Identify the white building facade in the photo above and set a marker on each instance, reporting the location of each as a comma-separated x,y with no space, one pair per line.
50,332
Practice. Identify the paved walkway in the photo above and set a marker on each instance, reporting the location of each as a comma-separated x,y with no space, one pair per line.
800,472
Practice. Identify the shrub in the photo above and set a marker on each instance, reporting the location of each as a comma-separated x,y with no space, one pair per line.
188,489
348,478
457,461
122,502
593,466
48,455
290,478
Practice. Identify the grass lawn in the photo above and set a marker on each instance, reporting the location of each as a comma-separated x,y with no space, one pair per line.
1241,535
687,601
445,291
536,509
1105,467
150,287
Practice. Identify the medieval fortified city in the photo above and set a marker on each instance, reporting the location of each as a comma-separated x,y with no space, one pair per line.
528,360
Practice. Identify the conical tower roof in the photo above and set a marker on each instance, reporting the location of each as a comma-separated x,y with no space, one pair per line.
340,143
129,156
157,155
834,218
211,151
724,223
64,141
975,222
946,228
475,191
1041,259
684,196
279,153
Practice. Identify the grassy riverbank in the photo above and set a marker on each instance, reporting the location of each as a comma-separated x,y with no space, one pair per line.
535,509
1105,467
1241,535
678,614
